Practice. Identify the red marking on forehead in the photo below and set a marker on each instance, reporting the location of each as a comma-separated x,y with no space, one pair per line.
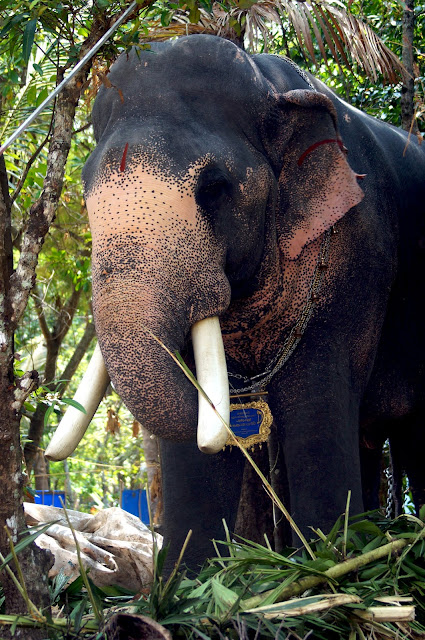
124,156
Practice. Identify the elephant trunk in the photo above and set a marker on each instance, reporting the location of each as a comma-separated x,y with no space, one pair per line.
212,378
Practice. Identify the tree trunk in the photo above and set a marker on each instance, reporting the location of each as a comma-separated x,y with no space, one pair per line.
408,120
41,472
15,288
255,512
33,561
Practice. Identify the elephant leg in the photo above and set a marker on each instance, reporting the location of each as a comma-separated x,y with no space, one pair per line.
371,464
199,490
372,439
320,440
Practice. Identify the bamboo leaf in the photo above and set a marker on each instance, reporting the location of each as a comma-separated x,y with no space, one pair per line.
48,413
27,540
224,597
28,39
74,403
306,605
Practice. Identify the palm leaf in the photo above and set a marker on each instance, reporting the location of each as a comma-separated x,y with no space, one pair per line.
316,34
326,25
306,31
335,32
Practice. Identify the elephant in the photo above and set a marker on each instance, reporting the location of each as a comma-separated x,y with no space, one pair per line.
236,191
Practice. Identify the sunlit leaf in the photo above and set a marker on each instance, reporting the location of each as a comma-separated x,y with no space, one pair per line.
74,403
28,39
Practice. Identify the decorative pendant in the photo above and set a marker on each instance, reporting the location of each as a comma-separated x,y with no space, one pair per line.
250,421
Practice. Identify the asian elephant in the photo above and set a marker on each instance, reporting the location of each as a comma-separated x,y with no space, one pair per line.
236,186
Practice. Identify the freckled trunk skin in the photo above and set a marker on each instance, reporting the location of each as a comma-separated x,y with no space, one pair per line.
148,379
156,270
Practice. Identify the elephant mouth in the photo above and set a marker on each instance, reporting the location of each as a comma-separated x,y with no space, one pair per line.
203,356
187,355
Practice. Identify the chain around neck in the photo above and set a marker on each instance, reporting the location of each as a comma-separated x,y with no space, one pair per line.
260,381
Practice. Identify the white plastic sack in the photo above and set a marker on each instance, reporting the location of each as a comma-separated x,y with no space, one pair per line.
115,546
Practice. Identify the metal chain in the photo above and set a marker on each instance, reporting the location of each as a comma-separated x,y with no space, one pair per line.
390,496
260,381
389,475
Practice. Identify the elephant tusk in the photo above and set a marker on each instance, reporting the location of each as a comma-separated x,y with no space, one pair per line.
74,424
211,373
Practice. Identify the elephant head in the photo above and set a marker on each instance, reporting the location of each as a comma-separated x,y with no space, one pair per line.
205,190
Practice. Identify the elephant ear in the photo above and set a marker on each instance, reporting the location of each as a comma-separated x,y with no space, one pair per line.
316,184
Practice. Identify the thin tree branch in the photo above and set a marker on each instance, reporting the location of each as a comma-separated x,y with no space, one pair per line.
41,315
65,315
77,356
55,336
83,128
45,53
44,210
30,162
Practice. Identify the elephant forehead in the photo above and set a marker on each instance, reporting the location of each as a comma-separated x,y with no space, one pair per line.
142,202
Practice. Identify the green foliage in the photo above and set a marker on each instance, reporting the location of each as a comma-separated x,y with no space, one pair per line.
103,464
372,565
379,99
218,602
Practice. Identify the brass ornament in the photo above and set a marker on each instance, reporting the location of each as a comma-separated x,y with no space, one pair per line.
250,423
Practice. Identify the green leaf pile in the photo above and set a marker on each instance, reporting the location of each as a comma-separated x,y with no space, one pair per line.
249,590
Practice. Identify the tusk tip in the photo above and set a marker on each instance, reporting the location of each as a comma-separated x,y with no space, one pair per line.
208,449
212,443
54,457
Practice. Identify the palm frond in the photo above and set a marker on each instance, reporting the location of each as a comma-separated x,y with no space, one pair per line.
320,27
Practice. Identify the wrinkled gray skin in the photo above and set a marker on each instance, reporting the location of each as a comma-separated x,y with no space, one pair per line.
214,177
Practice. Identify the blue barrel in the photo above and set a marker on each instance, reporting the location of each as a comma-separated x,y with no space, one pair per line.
135,501
50,498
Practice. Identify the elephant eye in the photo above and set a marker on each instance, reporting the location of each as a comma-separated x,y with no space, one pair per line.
213,193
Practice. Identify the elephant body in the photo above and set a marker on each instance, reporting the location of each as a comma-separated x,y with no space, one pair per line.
216,179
